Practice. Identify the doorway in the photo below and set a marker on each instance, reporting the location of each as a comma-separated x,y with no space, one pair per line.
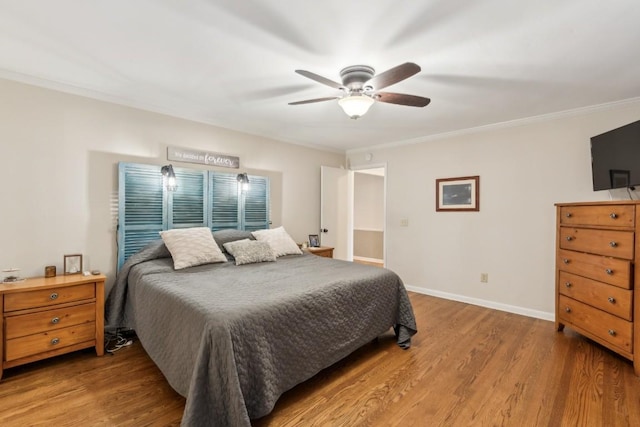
369,211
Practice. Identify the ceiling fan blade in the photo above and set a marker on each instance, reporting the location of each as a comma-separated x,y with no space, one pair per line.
402,99
310,101
320,79
393,75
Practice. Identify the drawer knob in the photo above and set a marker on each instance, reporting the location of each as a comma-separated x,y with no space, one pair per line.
55,320
613,244
53,296
612,300
565,260
612,332
569,238
609,271
613,215
567,284
568,215
567,309
55,341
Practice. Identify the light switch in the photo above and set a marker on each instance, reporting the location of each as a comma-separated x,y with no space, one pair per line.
404,222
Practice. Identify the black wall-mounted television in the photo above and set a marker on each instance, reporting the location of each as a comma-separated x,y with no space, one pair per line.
615,158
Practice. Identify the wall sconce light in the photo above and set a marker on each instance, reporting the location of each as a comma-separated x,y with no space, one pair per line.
169,177
243,180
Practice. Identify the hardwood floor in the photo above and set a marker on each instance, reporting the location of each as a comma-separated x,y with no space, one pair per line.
373,263
468,366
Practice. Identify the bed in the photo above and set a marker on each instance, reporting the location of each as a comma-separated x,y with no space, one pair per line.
232,338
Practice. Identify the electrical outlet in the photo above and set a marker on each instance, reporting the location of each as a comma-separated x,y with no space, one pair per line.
484,277
404,222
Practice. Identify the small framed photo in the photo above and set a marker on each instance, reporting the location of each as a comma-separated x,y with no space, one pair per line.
314,241
73,264
458,194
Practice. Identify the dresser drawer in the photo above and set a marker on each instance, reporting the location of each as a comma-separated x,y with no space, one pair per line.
612,243
603,325
611,299
47,297
28,324
622,216
614,271
46,341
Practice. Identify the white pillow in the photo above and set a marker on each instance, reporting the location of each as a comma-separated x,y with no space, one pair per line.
279,240
250,251
192,246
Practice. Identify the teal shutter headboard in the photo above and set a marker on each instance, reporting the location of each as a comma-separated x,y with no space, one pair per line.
203,199
141,207
225,206
256,204
188,204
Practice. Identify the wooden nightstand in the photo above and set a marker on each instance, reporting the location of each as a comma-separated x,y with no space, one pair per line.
324,251
45,317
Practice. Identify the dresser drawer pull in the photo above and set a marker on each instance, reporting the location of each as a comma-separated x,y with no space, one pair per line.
613,244
613,215
569,238
55,341
612,300
568,215
53,296
565,260
567,284
55,320
567,309
612,332
609,271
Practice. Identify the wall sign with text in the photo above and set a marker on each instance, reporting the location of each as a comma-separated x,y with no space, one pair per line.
202,158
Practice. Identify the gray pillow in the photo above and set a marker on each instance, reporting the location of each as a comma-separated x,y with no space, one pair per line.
223,236
250,251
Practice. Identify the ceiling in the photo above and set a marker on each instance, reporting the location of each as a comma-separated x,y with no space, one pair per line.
231,63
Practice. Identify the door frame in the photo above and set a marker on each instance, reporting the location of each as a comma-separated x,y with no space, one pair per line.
359,168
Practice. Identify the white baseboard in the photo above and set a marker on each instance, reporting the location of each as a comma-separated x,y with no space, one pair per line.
485,303
364,258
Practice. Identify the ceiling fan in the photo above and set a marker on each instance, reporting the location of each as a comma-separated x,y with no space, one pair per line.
362,88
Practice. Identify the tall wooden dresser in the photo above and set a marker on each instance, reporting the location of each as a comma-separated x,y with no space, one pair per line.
597,250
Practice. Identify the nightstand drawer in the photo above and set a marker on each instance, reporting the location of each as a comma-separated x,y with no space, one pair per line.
611,299
612,243
38,343
28,324
46,297
599,216
603,325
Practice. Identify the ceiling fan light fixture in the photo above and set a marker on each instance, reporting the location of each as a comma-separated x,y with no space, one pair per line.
356,106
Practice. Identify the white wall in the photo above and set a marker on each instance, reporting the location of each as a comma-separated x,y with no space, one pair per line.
59,173
524,169
368,202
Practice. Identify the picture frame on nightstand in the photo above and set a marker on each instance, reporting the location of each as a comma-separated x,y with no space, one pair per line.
72,264
314,241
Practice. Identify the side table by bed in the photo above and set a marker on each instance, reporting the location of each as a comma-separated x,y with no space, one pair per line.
324,251
46,317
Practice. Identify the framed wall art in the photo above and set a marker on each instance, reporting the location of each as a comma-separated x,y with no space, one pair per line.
458,194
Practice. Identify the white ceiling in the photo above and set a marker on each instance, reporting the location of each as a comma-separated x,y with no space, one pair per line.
231,63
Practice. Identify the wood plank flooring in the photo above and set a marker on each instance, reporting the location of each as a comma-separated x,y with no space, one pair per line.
468,366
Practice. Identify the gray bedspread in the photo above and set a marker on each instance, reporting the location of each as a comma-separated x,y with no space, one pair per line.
232,339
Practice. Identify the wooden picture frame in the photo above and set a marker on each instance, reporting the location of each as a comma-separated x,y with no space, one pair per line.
314,241
72,264
458,194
